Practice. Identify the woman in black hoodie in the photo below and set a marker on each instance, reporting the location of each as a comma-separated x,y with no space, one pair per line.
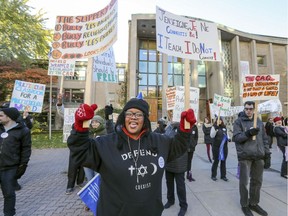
131,161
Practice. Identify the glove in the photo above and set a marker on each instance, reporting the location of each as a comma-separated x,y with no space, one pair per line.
190,118
267,161
83,113
252,132
20,171
108,111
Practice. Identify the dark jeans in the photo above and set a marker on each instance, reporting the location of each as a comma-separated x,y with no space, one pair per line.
253,170
180,186
8,181
75,173
284,162
215,151
190,157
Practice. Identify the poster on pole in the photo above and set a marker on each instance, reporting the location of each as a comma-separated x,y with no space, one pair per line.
186,38
260,87
178,105
222,104
69,119
83,36
28,96
104,67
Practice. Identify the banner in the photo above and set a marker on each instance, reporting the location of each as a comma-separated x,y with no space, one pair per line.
84,36
104,67
28,96
186,38
90,193
260,87
69,119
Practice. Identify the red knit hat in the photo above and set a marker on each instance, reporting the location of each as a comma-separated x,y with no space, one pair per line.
277,119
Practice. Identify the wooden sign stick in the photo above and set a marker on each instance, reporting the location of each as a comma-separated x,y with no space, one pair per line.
187,89
255,117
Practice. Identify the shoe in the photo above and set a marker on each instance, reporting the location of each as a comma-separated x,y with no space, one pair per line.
81,185
69,191
210,160
182,212
258,209
214,178
17,186
224,179
168,205
247,211
189,176
284,176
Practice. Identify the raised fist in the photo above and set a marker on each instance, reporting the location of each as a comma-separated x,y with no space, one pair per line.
190,118
108,111
83,113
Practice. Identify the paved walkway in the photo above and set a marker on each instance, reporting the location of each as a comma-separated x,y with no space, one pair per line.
44,185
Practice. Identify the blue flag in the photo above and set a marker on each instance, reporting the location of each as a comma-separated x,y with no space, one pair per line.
90,193
221,150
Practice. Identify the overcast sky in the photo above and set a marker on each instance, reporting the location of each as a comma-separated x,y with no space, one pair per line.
264,17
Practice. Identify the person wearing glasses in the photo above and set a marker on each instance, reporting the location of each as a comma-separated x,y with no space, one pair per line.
131,160
253,156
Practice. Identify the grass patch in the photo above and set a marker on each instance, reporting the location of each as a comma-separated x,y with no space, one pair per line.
42,141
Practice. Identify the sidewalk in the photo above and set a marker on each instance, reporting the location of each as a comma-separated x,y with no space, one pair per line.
44,185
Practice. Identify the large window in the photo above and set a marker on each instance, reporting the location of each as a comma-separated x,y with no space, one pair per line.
73,96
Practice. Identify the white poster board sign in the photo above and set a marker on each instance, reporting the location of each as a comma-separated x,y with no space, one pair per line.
69,119
104,67
186,37
179,102
222,104
28,96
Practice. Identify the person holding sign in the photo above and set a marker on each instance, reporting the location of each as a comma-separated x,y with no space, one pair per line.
219,148
131,160
281,133
253,156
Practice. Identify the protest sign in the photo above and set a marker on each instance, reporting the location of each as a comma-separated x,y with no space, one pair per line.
69,119
104,67
186,38
84,36
260,87
222,104
28,96
179,102
90,193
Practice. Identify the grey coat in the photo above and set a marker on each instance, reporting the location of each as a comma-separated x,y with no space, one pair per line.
247,148
281,135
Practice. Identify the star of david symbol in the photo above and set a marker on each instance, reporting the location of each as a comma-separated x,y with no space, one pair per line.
142,170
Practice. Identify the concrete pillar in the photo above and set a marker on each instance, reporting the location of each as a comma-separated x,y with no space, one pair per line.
237,75
194,74
271,56
254,63
164,83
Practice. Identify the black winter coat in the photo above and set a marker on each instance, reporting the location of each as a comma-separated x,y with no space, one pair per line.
15,149
281,135
206,128
128,188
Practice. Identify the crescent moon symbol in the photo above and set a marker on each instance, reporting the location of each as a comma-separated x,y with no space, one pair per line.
155,168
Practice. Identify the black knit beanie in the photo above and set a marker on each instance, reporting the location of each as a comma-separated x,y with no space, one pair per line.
11,112
137,104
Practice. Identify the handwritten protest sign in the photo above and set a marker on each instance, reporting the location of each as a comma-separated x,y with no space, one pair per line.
61,67
104,67
85,36
270,106
178,104
27,95
170,94
222,104
260,87
69,118
186,37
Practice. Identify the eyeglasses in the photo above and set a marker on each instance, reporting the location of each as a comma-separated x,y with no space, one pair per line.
251,109
135,115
